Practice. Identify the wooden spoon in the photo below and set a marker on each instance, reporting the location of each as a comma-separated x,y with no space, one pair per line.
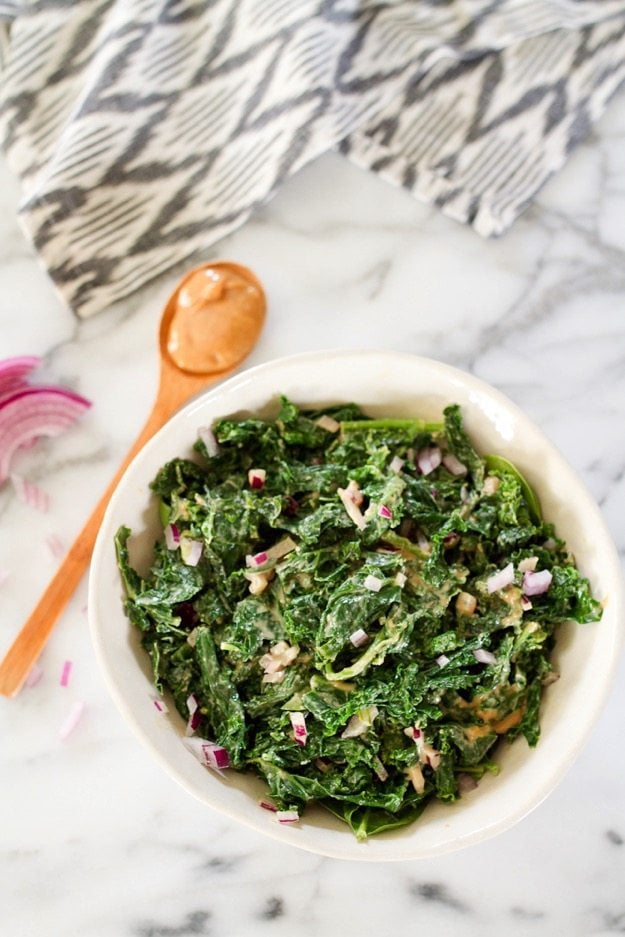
210,324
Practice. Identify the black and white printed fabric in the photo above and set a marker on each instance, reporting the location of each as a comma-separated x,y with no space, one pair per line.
145,130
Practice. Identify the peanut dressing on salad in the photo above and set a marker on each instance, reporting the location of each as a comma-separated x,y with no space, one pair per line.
218,308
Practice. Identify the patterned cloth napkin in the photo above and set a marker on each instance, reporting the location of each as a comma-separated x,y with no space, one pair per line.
145,130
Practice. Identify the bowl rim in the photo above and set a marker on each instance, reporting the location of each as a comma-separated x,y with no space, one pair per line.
359,851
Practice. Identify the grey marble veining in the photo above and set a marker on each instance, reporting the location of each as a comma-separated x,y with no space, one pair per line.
94,838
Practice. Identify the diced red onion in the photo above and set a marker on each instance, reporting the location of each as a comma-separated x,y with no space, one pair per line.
536,583
423,543
396,464
300,732
528,565
328,423
208,753
353,510
160,706
190,551
267,805
373,583
502,578
287,816
442,660
526,605
256,478
454,465
383,511
192,703
73,718
416,778
209,439
31,494
359,637
172,537
65,672
483,656
34,676
429,459
413,732
257,559
276,677
29,412
400,580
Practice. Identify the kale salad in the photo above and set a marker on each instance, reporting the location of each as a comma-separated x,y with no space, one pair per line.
356,610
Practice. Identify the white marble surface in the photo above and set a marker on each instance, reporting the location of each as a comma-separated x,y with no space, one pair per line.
95,839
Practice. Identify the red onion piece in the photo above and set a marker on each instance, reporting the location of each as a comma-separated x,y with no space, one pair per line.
536,583
328,423
526,605
429,459
267,805
208,753
256,478
396,464
30,412
529,564
65,672
300,732
160,706
349,498
31,494
454,465
499,580
373,583
442,660
34,676
287,816
483,656
359,637
400,580
73,718
209,439
172,537
383,511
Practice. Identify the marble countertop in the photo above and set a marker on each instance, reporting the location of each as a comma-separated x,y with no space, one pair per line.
96,840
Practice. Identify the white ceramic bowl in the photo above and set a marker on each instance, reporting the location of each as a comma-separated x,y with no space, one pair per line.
392,385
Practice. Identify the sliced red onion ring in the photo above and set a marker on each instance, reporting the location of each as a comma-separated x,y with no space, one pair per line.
483,656
13,372
429,459
30,412
209,439
499,580
536,583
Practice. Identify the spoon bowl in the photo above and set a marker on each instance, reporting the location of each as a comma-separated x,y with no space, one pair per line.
210,323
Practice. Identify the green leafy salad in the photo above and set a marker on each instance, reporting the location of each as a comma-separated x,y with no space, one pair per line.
355,610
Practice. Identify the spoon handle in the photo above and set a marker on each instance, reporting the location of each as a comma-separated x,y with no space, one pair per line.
32,638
